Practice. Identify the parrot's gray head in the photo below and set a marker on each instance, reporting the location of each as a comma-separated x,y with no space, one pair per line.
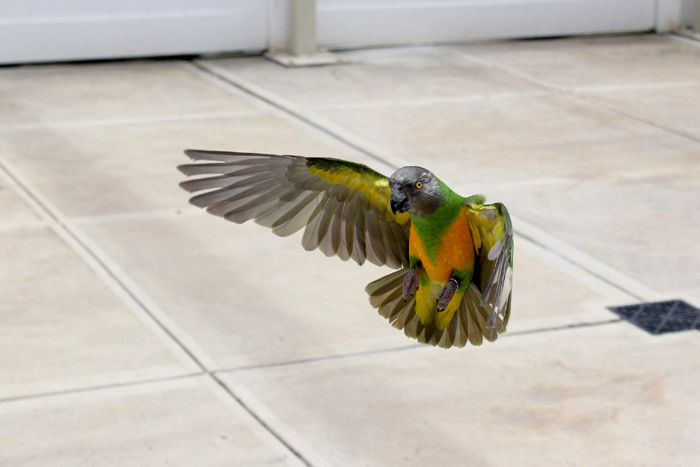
415,190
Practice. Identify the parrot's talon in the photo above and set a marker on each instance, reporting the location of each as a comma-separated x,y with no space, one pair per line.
410,283
446,294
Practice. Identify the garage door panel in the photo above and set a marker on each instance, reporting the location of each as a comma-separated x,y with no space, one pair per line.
346,23
34,31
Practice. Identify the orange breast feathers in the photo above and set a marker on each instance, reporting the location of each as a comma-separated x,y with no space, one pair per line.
455,251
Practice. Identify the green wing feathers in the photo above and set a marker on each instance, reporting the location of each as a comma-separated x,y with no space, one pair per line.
343,207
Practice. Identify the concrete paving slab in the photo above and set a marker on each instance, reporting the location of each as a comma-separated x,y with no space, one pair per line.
62,328
606,395
368,77
104,170
104,92
252,298
578,63
178,422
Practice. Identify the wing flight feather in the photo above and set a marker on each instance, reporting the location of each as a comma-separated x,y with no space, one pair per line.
342,206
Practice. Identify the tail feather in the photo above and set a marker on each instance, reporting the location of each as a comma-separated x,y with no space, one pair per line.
468,325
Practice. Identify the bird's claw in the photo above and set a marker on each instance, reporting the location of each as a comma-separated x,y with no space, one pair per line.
410,283
446,294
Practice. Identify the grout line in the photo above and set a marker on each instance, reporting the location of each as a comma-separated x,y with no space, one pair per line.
23,226
429,101
84,389
595,103
269,418
135,300
586,269
582,261
134,215
287,108
682,39
91,220
572,93
564,327
498,96
562,264
35,204
125,121
272,431
351,140
99,264
635,86
320,359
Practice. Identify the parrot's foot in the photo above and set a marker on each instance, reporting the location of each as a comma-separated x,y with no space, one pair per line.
410,283
446,294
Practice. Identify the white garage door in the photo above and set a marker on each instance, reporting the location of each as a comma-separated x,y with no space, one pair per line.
40,30
56,30
347,23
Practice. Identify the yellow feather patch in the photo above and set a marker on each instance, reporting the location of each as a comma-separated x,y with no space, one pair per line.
443,319
488,223
426,301
476,238
371,184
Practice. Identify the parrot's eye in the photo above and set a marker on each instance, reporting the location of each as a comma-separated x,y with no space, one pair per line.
419,185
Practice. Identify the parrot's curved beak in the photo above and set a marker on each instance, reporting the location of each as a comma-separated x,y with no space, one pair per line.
399,202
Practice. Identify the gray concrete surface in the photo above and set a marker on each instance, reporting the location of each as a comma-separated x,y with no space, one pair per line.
137,330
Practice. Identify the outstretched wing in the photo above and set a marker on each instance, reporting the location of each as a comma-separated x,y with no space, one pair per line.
343,206
493,239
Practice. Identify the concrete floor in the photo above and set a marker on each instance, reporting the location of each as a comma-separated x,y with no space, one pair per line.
137,330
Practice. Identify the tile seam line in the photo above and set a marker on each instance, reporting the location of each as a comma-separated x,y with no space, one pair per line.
58,223
586,99
581,266
295,452
675,37
84,389
131,295
99,123
393,350
231,82
573,94
47,211
214,374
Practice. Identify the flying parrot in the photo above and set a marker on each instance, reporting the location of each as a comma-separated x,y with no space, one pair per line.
453,255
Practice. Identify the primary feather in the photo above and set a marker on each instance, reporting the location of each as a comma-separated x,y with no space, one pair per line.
343,207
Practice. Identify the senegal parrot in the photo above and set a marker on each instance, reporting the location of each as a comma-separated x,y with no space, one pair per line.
453,255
